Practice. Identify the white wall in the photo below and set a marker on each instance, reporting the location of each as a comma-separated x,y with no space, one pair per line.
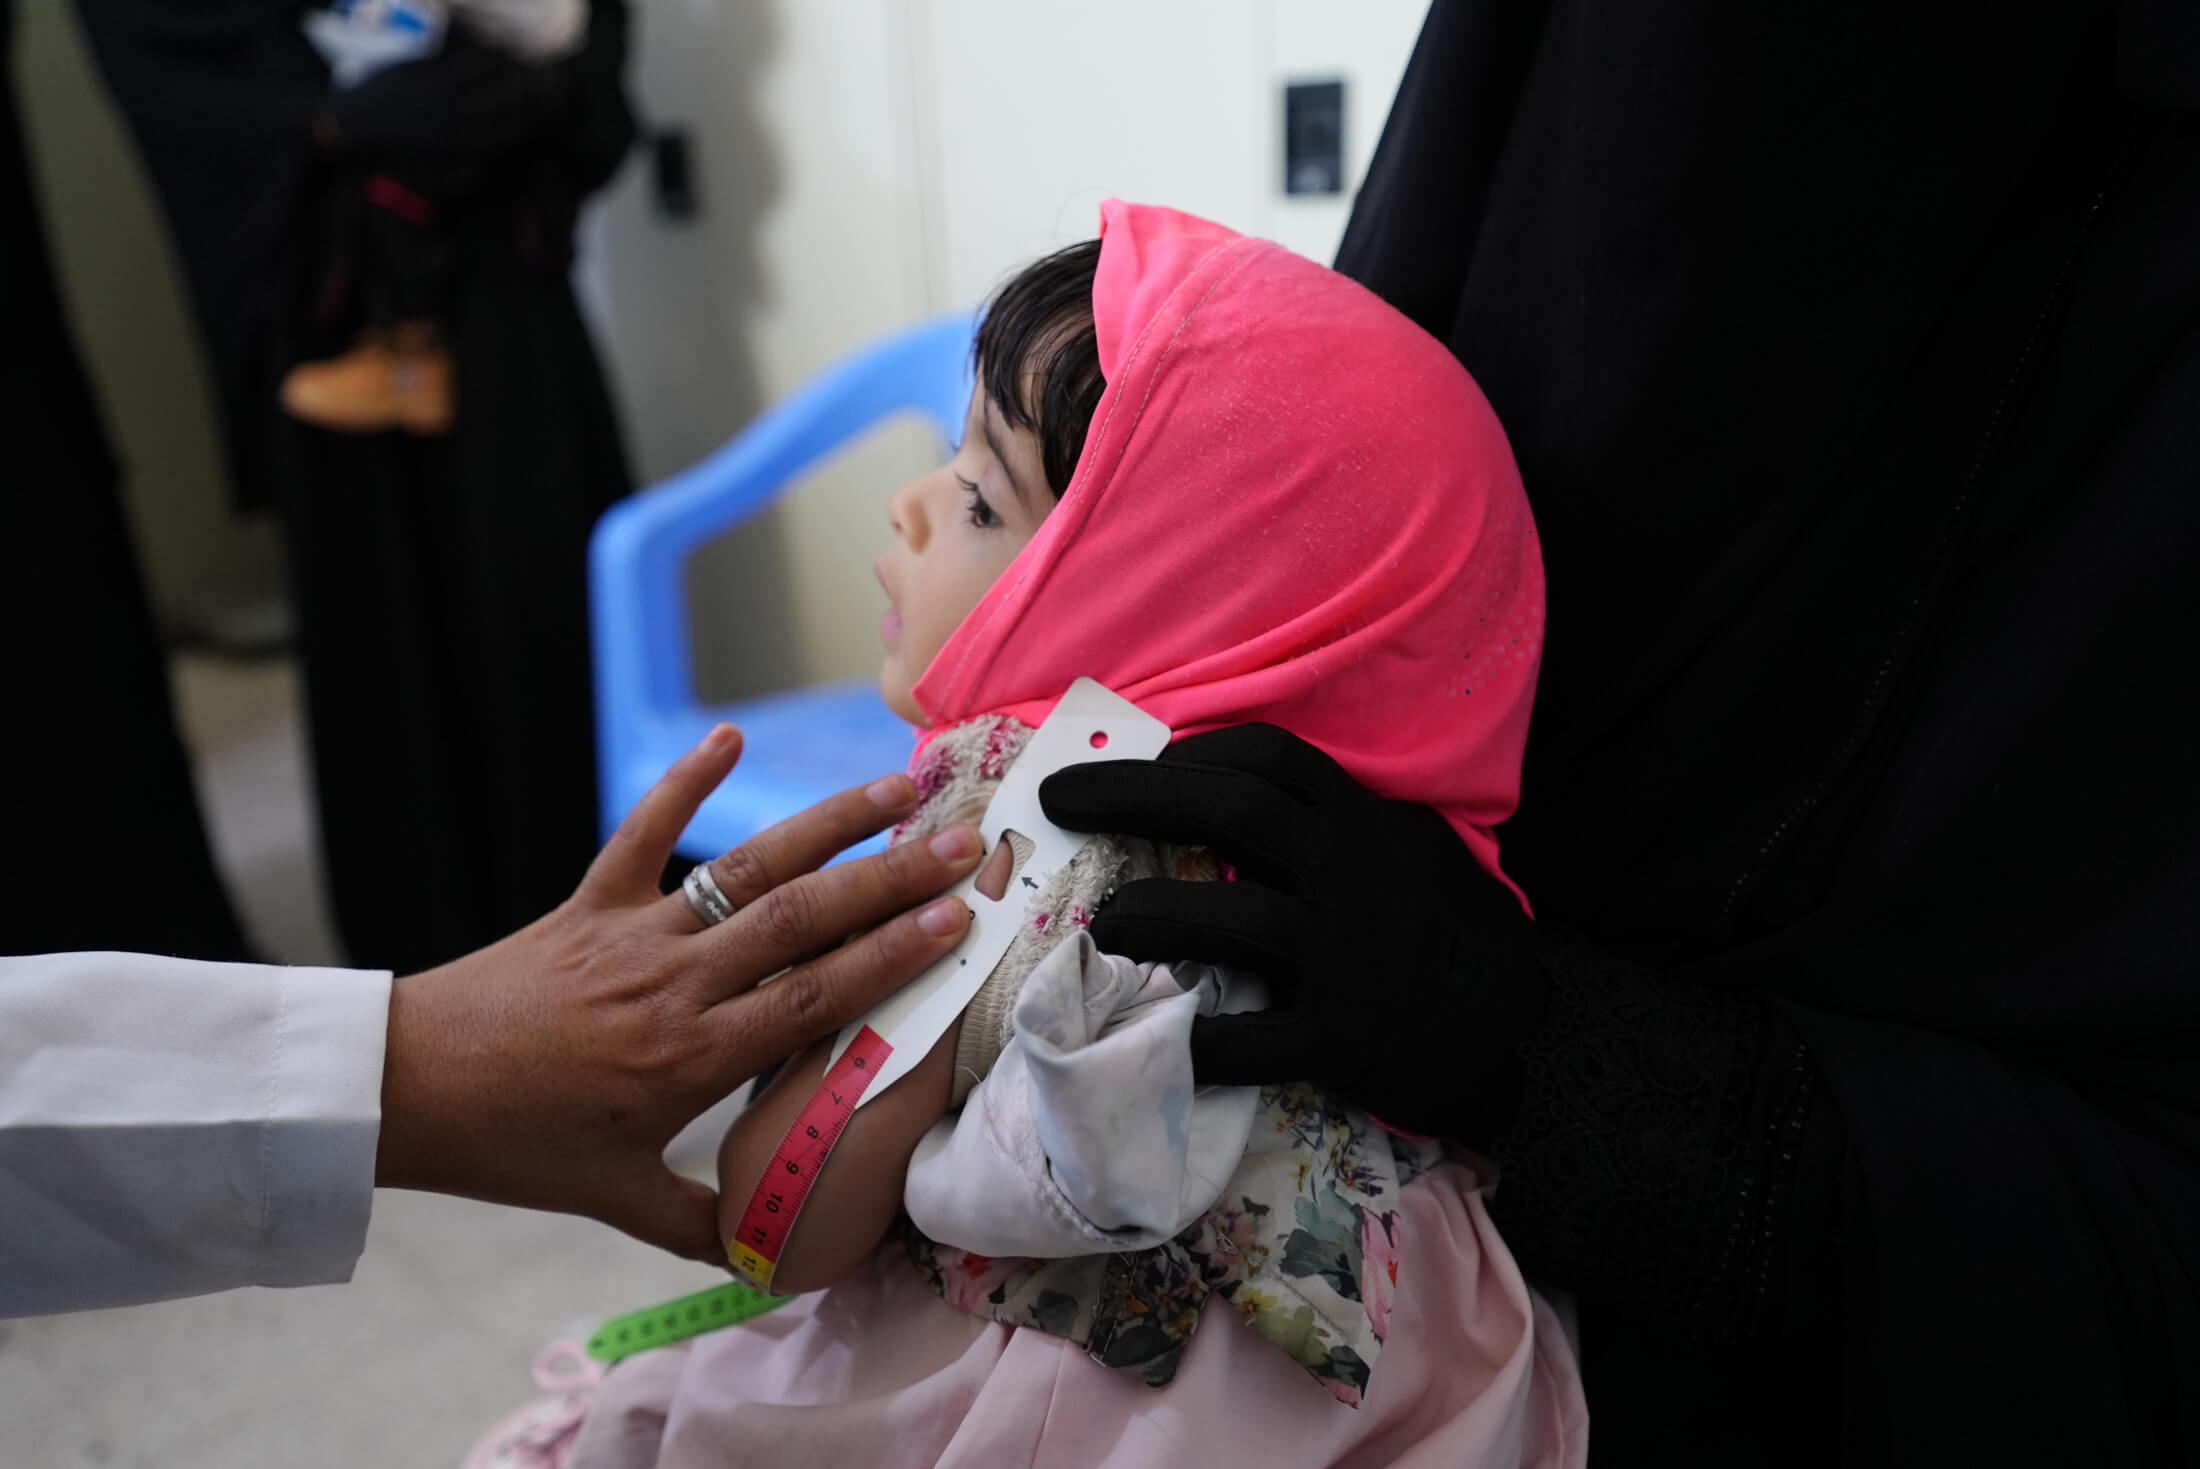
864,163
1042,112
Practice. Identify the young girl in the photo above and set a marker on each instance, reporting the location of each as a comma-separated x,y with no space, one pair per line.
1233,487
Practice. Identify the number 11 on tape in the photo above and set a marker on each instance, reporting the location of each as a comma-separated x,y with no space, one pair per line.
761,1238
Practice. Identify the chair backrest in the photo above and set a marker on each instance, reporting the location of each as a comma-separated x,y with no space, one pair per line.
638,553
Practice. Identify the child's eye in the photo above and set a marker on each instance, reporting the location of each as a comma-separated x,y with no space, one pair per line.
981,514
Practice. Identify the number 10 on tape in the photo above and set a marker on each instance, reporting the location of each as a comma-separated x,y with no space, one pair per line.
761,1238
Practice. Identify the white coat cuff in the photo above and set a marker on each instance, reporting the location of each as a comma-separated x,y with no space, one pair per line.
325,1072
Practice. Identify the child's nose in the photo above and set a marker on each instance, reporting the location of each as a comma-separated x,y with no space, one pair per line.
905,513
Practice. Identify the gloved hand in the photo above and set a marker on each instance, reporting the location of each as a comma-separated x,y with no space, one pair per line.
1405,978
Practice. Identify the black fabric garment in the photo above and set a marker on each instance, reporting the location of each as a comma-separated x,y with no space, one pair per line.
446,143
439,583
1851,361
1676,1159
219,95
406,264
107,847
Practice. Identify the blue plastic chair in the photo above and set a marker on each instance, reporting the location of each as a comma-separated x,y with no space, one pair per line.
803,744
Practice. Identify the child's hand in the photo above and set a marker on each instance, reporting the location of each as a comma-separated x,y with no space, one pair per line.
1404,976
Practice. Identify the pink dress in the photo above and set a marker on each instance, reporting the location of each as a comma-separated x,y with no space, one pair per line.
879,1371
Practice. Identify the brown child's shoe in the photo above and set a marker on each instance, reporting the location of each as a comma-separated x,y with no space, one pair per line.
402,379
350,394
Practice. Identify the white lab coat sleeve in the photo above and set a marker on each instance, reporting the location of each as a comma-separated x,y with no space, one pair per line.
1089,1135
170,1127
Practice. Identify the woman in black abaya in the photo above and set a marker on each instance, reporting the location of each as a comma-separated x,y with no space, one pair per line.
439,582
1851,1075
88,730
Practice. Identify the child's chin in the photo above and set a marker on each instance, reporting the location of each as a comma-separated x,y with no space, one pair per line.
895,690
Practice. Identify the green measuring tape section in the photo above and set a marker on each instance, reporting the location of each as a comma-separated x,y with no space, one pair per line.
690,1316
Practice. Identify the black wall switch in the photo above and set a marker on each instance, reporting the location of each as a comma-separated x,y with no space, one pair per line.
1313,138
672,174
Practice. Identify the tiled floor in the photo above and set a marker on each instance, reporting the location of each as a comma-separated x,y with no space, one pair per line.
433,1339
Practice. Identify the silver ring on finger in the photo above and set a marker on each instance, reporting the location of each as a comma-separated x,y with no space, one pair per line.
705,896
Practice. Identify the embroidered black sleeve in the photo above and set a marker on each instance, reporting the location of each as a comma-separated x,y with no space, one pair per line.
1675,1156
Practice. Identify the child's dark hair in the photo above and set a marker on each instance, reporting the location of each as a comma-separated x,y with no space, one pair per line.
1039,359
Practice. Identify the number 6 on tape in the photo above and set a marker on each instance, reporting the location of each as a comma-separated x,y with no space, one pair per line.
1089,723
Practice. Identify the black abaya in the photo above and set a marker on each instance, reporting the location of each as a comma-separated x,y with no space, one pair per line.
1852,360
440,584
107,847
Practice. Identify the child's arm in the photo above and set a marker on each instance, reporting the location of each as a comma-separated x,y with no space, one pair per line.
856,1196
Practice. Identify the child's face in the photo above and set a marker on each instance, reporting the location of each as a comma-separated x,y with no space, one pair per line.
955,531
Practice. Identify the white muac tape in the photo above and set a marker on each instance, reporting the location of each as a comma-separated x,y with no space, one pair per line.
1090,723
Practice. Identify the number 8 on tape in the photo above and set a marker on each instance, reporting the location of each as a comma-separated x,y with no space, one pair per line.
761,1238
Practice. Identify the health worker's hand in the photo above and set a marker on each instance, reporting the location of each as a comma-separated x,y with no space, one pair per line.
1405,978
551,1069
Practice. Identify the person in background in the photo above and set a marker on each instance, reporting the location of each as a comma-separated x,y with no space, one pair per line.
395,256
438,582
89,729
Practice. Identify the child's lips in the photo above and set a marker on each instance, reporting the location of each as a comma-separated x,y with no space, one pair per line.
889,626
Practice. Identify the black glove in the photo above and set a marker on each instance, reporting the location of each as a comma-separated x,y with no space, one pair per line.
1405,978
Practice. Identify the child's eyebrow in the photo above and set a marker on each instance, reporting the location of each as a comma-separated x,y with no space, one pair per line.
985,423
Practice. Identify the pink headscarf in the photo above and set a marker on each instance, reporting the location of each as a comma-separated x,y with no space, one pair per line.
1294,506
